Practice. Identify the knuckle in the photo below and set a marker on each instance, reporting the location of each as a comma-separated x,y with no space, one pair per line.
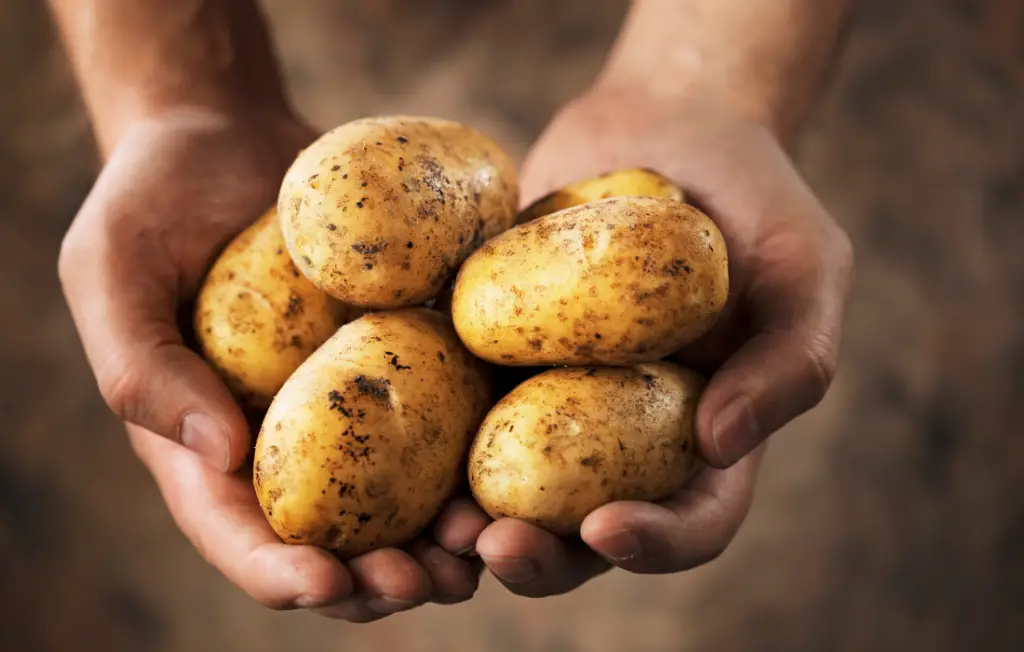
822,365
120,386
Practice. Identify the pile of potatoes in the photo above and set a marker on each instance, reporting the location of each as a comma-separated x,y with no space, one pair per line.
375,316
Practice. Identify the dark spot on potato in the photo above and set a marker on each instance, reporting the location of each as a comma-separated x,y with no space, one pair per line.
359,204
397,366
332,227
364,518
546,450
402,139
337,403
597,336
536,345
440,356
274,495
649,380
306,260
378,388
676,267
294,306
332,536
368,266
621,446
406,266
295,341
335,167
408,245
345,176
368,249
590,371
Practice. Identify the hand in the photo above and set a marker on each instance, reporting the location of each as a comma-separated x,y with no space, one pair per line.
771,356
174,191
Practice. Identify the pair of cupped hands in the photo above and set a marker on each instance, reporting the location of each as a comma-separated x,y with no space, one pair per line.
176,187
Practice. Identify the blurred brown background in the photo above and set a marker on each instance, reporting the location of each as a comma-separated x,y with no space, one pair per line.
892,518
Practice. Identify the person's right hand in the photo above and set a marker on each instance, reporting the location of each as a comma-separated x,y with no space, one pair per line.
174,191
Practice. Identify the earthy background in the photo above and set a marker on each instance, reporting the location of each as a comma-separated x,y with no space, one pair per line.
892,518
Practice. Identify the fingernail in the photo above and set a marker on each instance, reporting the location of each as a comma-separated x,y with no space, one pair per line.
384,604
451,599
468,551
512,570
735,431
202,434
617,546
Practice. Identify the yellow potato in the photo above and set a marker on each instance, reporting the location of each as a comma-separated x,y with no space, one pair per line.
381,211
620,183
612,282
570,440
364,444
257,318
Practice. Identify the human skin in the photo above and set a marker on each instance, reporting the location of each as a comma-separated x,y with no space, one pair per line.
711,93
195,131
196,134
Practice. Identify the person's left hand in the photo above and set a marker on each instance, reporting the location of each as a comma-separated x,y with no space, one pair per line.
770,357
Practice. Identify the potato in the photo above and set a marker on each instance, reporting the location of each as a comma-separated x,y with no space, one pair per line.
381,211
570,440
612,282
620,183
257,318
364,444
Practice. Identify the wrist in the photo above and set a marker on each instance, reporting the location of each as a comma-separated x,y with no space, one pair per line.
120,111
272,122
696,103
696,96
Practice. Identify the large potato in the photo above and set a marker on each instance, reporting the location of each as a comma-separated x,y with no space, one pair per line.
619,183
257,318
381,211
570,440
365,442
616,281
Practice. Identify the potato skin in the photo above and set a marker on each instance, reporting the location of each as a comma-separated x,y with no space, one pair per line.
570,440
257,318
364,444
380,212
611,282
642,182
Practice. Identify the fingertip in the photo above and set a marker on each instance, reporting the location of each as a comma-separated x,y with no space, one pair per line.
459,527
518,552
283,577
452,579
616,531
392,574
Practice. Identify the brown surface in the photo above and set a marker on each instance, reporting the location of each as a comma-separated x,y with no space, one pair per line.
892,518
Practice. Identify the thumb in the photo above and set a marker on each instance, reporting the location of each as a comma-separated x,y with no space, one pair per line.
123,304
787,365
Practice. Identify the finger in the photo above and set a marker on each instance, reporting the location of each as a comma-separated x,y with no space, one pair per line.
219,514
122,297
452,579
787,366
388,581
459,526
689,530
534,563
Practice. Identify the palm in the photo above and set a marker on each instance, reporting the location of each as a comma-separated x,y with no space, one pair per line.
770,356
